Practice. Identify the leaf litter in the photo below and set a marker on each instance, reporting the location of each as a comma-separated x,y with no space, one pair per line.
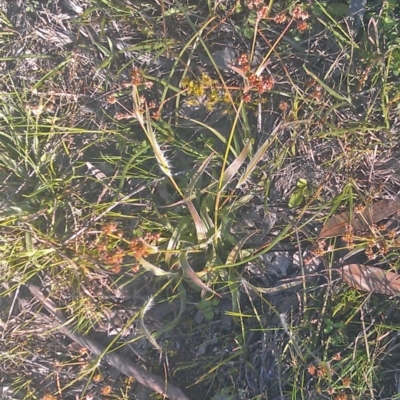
371,279
336,225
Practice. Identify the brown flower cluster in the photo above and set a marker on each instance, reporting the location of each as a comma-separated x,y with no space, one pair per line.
243,63
312,369
359,208
106,390
283,105
258,5
324,370
382,248
115,258
346,382
142,85
114,255
112,99
136,76
321,370
139,248
318,248
111,228
127,115
300,16
262,12
317,93
254,4
280,18
348,236
142,247
260,83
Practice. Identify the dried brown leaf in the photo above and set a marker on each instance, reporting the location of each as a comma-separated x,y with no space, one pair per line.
336,225
371,279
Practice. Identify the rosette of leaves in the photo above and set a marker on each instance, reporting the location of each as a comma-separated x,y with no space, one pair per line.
300,193
206,307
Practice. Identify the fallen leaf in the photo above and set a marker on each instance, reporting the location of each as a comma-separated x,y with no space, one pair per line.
371,279
336,225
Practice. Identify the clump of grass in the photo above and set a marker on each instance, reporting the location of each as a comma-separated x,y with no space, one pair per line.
122,212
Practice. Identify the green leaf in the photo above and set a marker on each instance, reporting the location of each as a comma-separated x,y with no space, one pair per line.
209,315
248,32
296,199
299,194
215,301
334,94
301,183
203,304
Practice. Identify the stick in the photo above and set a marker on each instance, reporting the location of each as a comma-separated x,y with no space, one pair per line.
127,367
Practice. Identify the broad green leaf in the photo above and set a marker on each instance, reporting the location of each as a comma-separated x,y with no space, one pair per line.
296,199
203,304
209,315
299,194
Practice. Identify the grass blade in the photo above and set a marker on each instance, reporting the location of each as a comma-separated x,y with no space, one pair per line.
190,274
153,269
336,95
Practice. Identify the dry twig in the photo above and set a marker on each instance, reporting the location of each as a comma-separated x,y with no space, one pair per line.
128,368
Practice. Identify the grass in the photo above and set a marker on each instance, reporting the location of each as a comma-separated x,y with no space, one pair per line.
151,155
